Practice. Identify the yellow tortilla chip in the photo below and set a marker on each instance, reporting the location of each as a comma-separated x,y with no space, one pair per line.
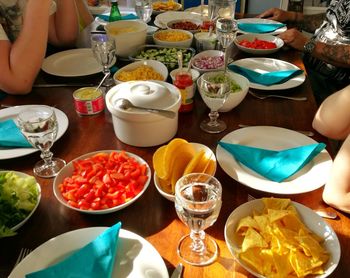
253,239
245,223
276,203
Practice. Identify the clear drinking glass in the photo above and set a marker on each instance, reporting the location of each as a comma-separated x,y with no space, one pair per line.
39,125
198,203
143,9
214,88
221,8
103,48
226,30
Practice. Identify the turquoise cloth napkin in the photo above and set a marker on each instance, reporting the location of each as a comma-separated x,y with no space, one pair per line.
259,27
124,17
94,260
274,165
267,79
11,136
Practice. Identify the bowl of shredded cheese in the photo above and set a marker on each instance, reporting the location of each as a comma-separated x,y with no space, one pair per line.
173,38
141,70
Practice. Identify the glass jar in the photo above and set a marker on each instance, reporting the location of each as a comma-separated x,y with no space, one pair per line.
183,81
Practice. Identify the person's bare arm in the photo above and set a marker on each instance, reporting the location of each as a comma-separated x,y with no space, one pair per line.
20,61
64,24
84,14
333,116
336,192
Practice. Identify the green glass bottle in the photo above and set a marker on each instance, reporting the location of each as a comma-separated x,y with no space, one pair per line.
115,13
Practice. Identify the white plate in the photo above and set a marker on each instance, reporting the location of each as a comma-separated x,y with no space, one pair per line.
264,65
197,147
198,10
20,224
67,171
136,257
262,20
311,177
11,113
162,19
309,218
72,63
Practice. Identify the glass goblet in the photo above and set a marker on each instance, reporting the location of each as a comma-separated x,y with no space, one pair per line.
221,8
214,88
39,125
143,9
226,30
103,48
198,203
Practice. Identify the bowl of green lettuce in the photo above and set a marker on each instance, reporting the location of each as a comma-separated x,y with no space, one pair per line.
20,195
239,86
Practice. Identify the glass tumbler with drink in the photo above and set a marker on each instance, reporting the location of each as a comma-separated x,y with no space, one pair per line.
198,203
143,9
39,125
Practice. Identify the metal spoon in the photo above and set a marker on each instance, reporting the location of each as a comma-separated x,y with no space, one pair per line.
125,104
276,96
103,79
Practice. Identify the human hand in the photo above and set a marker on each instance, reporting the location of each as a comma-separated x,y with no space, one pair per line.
294,38
276,14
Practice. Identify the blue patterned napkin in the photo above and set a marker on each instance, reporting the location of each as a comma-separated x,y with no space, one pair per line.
11,136
267,79
259,27
124,17
94,260
274,165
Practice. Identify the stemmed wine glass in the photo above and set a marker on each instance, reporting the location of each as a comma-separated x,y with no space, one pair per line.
226,30
198,203
214,88
143,9
103,48
39,125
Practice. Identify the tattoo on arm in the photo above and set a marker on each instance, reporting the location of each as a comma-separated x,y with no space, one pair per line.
312,22
338,55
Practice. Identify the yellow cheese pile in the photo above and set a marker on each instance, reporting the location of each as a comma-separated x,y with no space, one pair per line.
142,72
277,244
178,158
172,36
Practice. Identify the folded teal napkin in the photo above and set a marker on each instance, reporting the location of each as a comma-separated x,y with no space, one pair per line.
124,17
267,79
94,260
259,27
11,136
274,165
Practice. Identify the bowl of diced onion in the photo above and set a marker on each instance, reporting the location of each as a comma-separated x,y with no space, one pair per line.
141,70
173,38
208,60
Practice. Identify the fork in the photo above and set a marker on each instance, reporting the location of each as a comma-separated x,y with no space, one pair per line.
277,96
22,254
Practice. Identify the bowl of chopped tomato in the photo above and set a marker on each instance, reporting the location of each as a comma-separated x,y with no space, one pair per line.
102,182
258,44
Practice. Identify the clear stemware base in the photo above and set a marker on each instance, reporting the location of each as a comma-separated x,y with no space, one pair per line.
206,256
213,127
44,170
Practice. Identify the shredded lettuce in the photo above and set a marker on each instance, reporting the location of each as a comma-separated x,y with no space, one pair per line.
18,197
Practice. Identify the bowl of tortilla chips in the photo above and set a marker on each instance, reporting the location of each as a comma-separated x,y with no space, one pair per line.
275,237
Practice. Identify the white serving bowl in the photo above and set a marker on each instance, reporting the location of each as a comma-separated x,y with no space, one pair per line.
207,54
235,98
67,171
24,175
170,24
156,65
265,37
197,147
129,41
314,222
142,128
182,43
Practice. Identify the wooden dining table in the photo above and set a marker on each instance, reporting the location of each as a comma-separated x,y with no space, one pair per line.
152,216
